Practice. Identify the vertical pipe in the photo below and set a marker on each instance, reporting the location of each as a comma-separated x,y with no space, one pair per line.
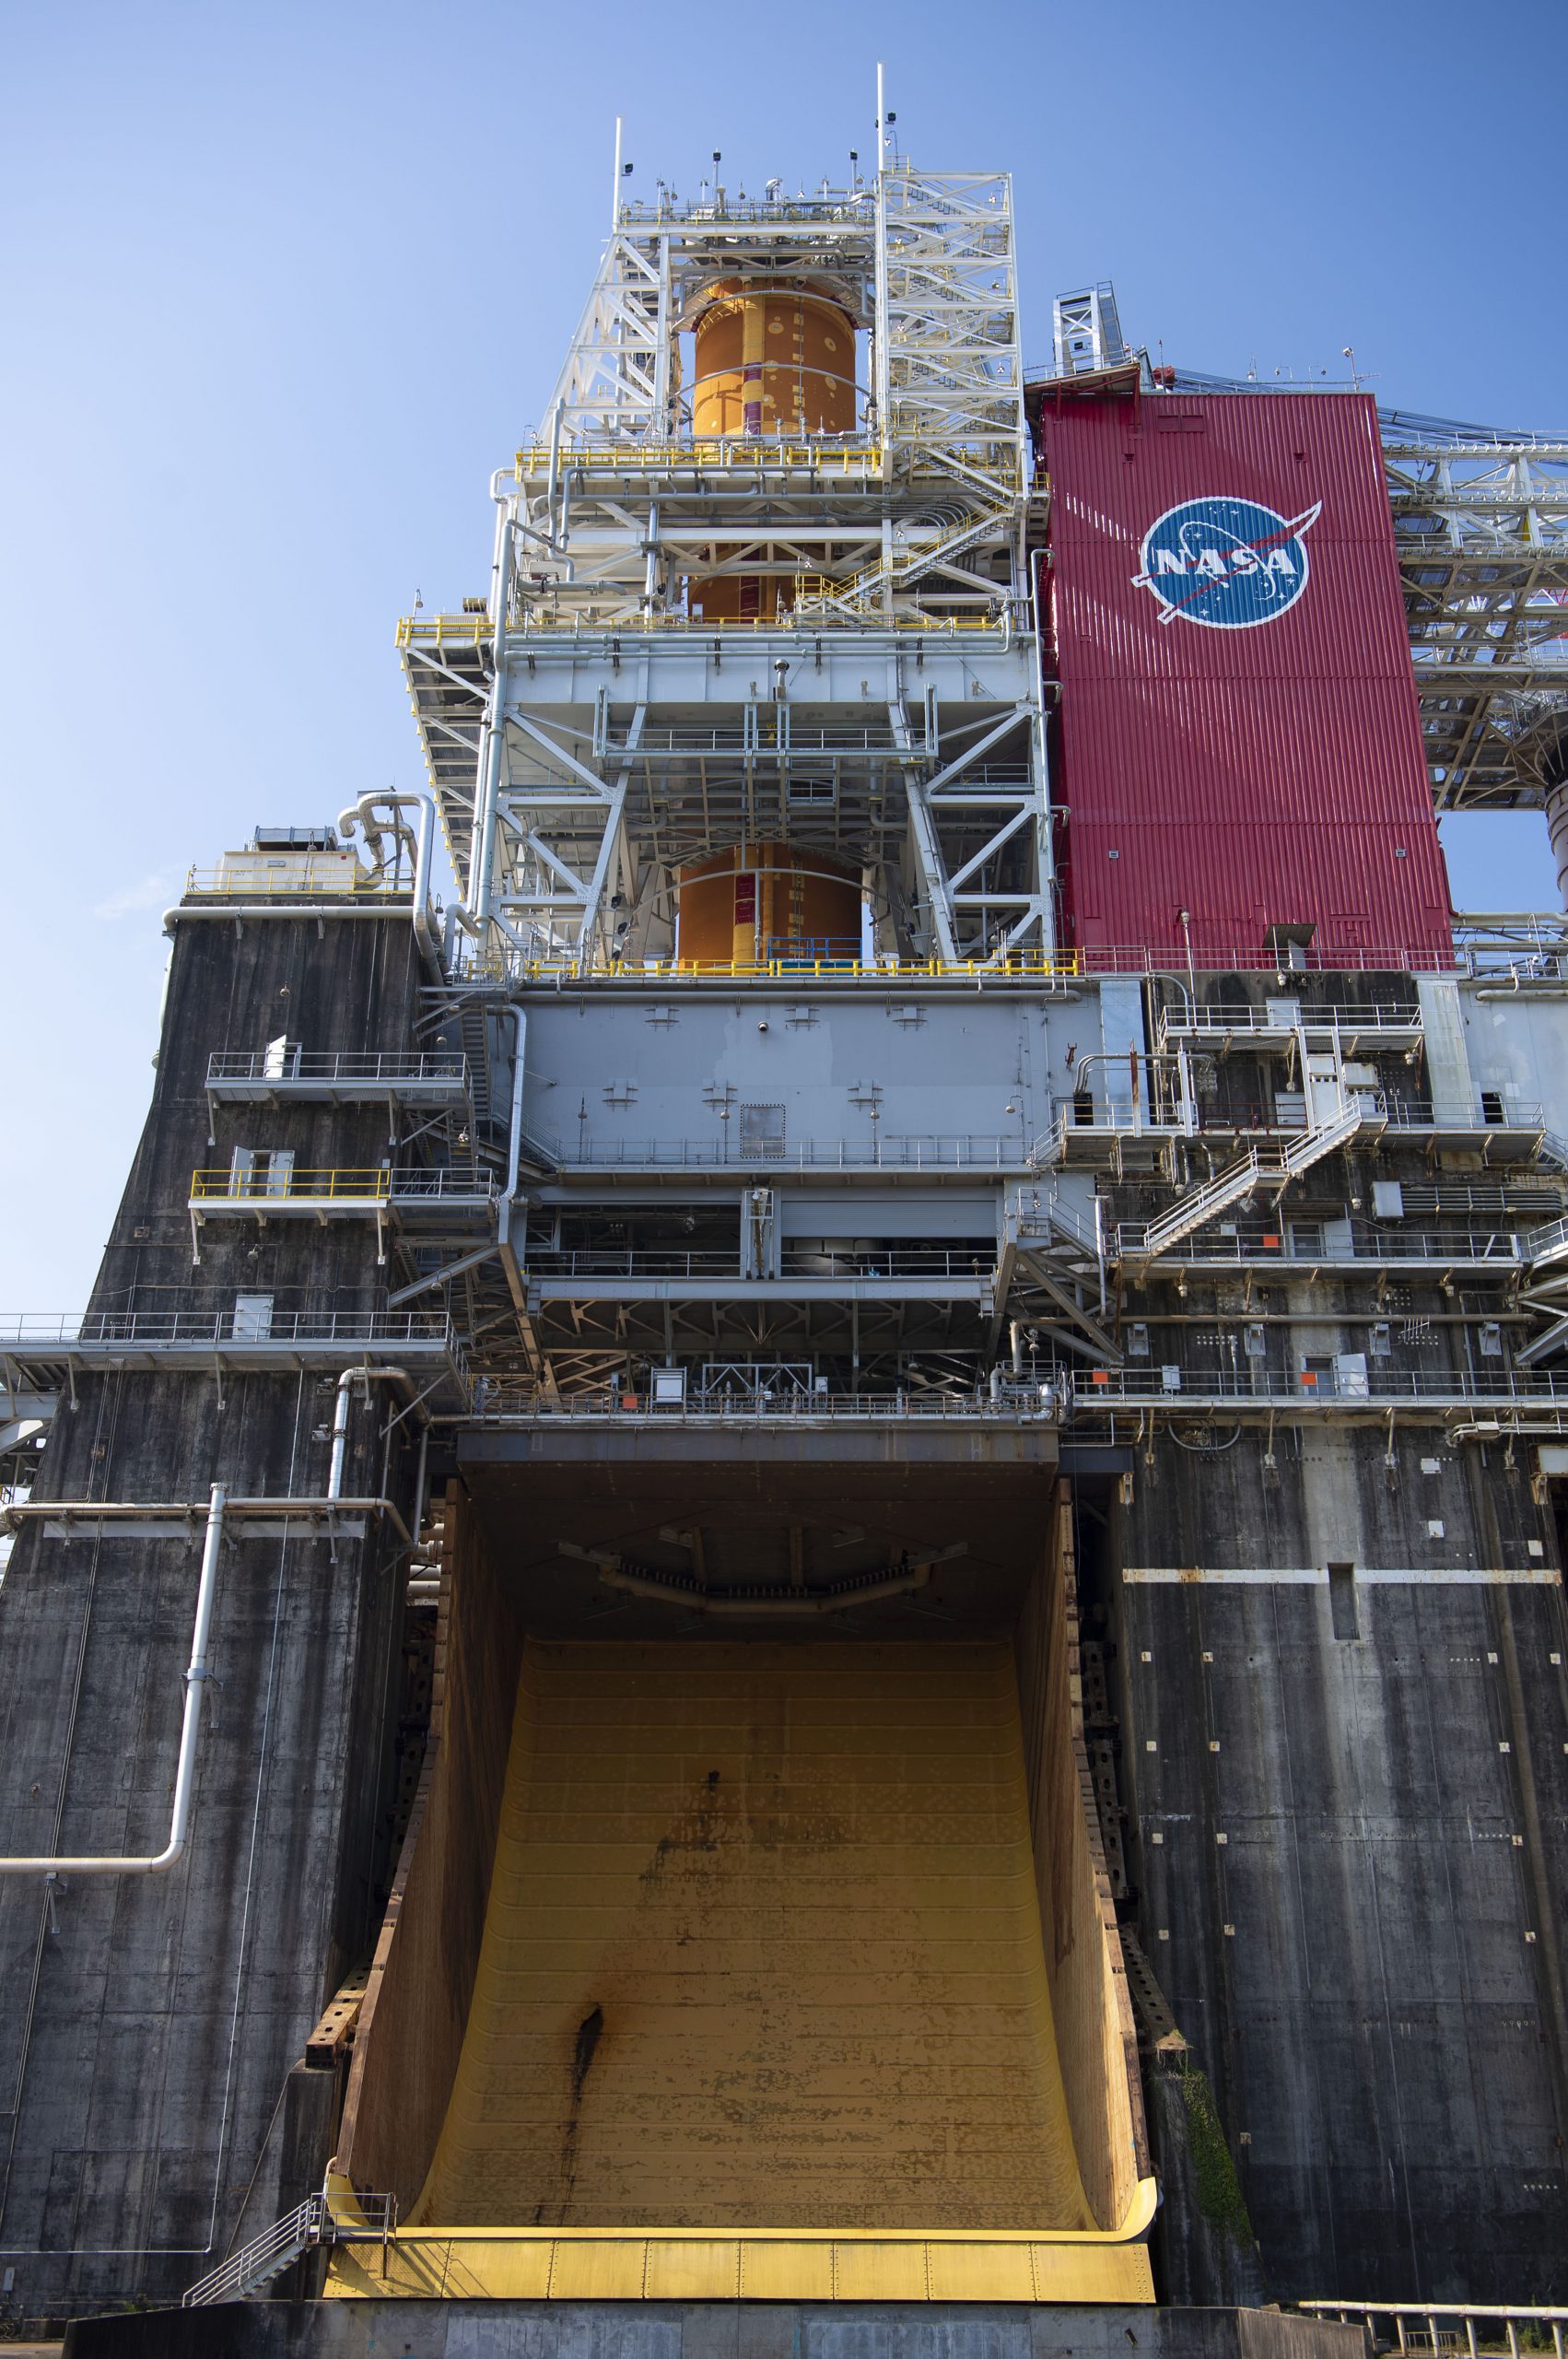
339,1433
1557,829
419,1484
514,1147
553,483
754,344
482,859
196,1676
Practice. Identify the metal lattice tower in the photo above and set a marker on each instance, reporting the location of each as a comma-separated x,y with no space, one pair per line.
591,731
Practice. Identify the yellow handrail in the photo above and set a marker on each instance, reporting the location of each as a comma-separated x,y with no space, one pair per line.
1015,964
859,458
477,630
253,1186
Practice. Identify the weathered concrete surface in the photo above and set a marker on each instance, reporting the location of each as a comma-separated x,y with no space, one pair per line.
703,2330
148,2025
411,2028
1351,1854
1201,2243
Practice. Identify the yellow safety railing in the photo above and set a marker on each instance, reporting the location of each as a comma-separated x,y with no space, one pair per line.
445,631
263,1186
1018,964
477,631
658,458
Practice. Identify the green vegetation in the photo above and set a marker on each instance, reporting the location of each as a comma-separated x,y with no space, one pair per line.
1220,2198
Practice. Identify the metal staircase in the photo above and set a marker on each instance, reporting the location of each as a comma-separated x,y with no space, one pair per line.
253,2267
319,2220
903,565
1257,1168
1544,1251
1543,1247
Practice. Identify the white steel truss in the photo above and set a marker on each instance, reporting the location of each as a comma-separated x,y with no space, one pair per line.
950,376
1482,529
1087,331
593,730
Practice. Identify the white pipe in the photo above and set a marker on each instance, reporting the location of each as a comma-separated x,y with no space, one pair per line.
363,813
305,909
514,1145
351,1375
555,478
492,742
339,1433
196,1678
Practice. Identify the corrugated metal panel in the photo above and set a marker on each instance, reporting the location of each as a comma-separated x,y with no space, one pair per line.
1253,776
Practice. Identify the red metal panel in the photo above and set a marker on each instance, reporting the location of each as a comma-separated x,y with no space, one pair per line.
1254,776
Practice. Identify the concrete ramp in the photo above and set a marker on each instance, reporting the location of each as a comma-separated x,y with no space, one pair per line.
761,1945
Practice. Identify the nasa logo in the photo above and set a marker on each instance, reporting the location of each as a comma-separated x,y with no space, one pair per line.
1229,564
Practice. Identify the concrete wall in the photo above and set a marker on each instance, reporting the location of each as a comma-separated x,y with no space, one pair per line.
1093,2015
1351,1853
350,987
416,2011
147,2025
708,2331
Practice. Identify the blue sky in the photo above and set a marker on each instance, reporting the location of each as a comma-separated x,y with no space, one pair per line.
282,283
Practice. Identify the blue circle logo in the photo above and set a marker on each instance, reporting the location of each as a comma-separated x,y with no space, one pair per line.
1229,564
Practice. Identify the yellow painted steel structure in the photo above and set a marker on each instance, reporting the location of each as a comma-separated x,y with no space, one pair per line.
477,631
840,460
367,1185
790,2264
1018,965
762,2007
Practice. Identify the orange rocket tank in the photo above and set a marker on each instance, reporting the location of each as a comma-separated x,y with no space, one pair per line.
771,359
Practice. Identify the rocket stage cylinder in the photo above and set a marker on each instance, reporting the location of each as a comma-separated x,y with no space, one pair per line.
775,359
761,900
772,358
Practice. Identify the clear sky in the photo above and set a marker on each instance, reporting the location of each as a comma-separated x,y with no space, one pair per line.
284,280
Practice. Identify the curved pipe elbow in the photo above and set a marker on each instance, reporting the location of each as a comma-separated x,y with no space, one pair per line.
363,816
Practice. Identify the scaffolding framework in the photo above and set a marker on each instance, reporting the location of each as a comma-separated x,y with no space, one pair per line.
593,731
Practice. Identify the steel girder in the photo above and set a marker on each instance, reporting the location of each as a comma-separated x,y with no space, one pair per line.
1482,530
592,731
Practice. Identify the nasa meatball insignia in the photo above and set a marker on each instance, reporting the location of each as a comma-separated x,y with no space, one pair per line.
1229,564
